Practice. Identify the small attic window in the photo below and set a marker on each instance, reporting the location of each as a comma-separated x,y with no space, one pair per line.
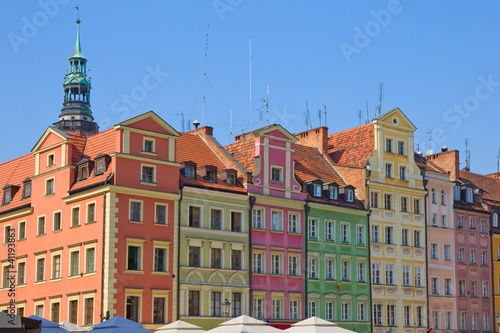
189,171
149,145
333,192
276,174
211,176
27,189
51,160
317,190
7,196
83,172
231,179
468,195
349,195
101,167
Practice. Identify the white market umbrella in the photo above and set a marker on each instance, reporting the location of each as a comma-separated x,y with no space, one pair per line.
180,326
316,325
244,324
72,327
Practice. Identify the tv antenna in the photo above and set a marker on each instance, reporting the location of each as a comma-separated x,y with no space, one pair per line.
430,152
359,116
319,116
250,62
181,114
205,74
467,154
367,113
324,106
307,116
231,113
380,99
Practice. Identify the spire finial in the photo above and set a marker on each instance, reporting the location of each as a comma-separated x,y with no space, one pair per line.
78,13
78,48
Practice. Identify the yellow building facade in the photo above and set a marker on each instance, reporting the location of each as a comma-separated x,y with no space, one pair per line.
395,194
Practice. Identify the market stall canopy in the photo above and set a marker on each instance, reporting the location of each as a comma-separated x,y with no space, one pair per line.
180,326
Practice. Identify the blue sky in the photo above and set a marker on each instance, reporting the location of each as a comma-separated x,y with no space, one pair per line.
438,62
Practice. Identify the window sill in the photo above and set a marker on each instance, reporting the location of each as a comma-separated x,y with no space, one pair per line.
90,273
49,195
39,282
159,273
91,222
20,240
75,226
41,235
20,285
56,231
130,271
150,153
277,275
74,276
259,274
142,182
137,222
295,276
56,279
277,232
295,233
161,224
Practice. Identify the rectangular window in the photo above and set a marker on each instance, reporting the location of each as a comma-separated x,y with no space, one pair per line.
329,231
91,213
418,276
194,256
276,222
74,263
257,263
159,310
41,226
472,256
333,192
345,311
473,286
49,187
56,266
360,235
22,230
194,303
460,255
40,270
89,311
416,206
417,238
448,319
50,160
90,260
404,204
463,323
402,173
361,311
377,314
293,224
160,214
388,145
194,217
329,310
346,276
406,275
132,312
317,190
361,272
485,289
374,199
447,252
391,315
389,231
330,270
276,264
101,167
21,273
486,321
75,216
407,315
258,308
401,148
148,174
389,274
276,309
148,146
434,220
344,233
55,311
447,287
376,273
484,258
5,280
388,170
276,174
435,286
460,221
73,312
420,316
231,179
189,171
236,221
472,223
215,219
312,308
461,287
388,201
375,234
257,219
236,259
84,171
468,195
404,237
57,221
216,258
211,176
474,321
456,193
236,304
134,256
483,226
444,222
135,211
313,268
27,190
434,251
160,260
293,264
215,302
435,320
294,309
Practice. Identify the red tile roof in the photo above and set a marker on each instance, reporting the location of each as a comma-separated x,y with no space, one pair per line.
310,164
77,147
425,164
13,172
244,152
352,146
490,186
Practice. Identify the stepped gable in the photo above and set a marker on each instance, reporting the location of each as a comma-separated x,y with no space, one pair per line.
14,172
352,146
190,147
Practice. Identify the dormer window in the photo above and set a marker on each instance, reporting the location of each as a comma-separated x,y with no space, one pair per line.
84,172
100,167
468,195
495,220
349,195
231,179
27,190
7,196
276,174
51,160
317,190
189,171
456,193
333,192
211,176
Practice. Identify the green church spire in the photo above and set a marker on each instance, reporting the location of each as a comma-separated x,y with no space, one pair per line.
76,115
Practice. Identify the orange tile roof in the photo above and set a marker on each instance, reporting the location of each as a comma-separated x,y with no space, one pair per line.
310,164
244,152
77,147
425,164
352,146
490,186
13,172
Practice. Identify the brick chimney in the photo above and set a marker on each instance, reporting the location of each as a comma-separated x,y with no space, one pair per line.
203,130
315,137
448,160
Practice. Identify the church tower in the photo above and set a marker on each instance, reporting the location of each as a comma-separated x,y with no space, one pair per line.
76,116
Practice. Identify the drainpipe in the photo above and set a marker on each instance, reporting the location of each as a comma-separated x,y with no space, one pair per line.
103,247
179,255
306,267
367,201
252,201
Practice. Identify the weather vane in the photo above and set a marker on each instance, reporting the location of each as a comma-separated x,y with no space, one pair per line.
78,13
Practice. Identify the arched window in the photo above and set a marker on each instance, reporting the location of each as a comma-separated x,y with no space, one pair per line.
433,196
443,198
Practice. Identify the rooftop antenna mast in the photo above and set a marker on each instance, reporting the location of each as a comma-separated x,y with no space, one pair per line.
367,114
380,99
267,106
205,74
189,124
324,106
250,61
182,119
308,117
359,116
319,116
430,152
467,154
498,162
232,123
